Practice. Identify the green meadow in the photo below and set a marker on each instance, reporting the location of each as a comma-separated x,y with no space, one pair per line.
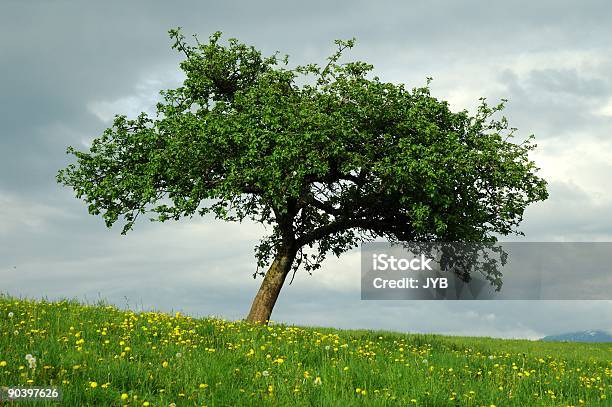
104,356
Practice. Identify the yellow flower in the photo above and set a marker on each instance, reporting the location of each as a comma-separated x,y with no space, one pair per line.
93,385
3,363
124,396
164,364
317,381
203,385
146,403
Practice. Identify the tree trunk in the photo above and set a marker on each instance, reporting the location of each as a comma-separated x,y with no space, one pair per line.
270,288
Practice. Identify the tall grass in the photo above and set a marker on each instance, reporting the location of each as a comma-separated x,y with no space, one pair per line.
100,355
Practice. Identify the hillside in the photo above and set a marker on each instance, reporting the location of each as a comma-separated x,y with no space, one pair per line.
582,336
100,355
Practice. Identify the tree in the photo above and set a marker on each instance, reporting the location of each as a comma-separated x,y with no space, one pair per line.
329,156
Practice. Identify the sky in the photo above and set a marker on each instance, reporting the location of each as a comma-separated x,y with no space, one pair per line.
67,67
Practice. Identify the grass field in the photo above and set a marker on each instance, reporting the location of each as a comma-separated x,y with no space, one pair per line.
100,355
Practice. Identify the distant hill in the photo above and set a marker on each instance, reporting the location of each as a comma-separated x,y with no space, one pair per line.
582,336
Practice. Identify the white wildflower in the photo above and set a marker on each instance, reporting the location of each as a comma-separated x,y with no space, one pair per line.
31,361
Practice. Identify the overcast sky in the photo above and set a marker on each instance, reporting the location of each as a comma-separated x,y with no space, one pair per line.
66,68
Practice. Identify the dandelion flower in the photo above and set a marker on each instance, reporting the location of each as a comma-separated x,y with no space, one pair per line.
164,364
265,373
3,363
11,315
93,385
32,362
124,396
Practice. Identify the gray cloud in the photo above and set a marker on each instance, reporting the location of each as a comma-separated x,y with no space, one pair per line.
558,103
66,68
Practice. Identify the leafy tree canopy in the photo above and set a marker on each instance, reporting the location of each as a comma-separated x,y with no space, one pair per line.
329,156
